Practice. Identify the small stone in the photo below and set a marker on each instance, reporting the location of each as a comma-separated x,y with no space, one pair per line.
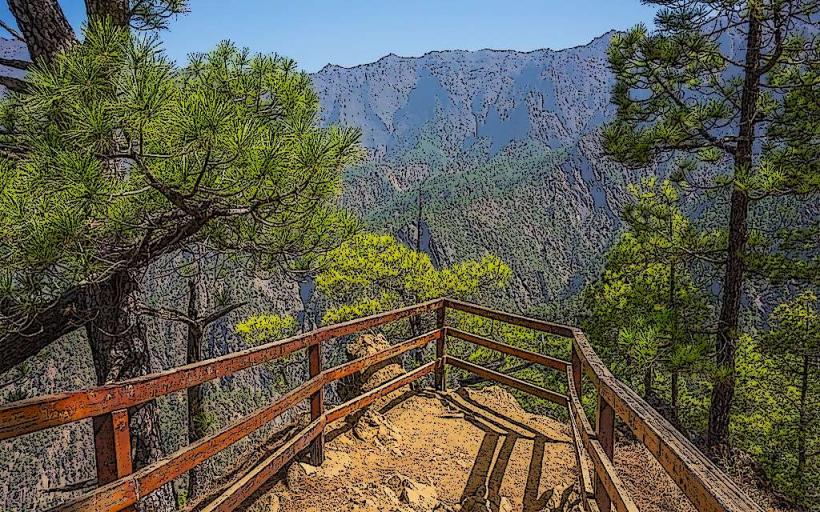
505,505
308,469
419,496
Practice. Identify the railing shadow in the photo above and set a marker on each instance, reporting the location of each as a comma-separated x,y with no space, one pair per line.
491,461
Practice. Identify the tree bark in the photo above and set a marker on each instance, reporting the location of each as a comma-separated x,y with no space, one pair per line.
717,438
116,11
195,411
120,351
44,27
648,392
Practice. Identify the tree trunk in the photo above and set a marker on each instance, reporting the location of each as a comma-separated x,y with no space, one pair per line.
648,392
675,376
120,351
802,426
195,411
717,438
43,26
115,11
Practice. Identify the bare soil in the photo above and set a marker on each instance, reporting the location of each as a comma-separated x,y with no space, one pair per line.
451,447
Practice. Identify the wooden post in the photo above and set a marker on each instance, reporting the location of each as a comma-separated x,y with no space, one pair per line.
317,405
605,430
112,447
441,350
577,371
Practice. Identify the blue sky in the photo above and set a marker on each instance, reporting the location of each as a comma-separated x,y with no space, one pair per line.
350,32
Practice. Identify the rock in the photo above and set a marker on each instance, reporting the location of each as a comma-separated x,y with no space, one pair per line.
295,477
505,505
372,377
419,496
373,426
308,469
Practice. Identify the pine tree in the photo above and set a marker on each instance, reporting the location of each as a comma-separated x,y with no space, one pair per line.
114,158
793,343
642,310
372,273
685,91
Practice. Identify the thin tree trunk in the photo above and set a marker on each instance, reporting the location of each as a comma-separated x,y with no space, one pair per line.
195,411
648,392
43,26
675,376
802,427
717,438
673,308
120,351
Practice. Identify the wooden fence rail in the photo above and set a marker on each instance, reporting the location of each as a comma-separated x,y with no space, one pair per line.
120,488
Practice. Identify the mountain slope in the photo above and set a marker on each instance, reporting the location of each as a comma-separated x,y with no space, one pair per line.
504,146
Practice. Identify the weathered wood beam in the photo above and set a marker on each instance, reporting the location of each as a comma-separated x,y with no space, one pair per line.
371,396
396,350
48,411
707,487
518,384
532,357
521,321
243,488
129,490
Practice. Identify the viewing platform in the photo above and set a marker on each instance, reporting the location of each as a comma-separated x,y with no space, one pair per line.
494,450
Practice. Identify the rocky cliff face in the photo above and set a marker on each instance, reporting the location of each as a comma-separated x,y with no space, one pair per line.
504,147
487,98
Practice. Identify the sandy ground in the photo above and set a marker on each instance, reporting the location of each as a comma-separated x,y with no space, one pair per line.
447,452
472,443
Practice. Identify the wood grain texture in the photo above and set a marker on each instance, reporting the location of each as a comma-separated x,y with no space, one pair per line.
518,384
371,396
521,321
245,486
526,355
127,491
396,350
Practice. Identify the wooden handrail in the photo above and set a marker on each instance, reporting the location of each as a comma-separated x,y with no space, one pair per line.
526,355
49,411
509,318
518,384
707,487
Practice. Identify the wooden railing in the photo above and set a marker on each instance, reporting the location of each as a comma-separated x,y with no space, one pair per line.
120,488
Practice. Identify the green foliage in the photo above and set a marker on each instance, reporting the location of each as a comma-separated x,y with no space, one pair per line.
116,157
372,273
265,328
738,122
642,311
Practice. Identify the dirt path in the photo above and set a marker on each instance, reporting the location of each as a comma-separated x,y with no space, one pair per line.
434,452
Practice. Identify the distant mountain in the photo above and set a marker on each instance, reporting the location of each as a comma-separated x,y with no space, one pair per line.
505,147
12,49
471,97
